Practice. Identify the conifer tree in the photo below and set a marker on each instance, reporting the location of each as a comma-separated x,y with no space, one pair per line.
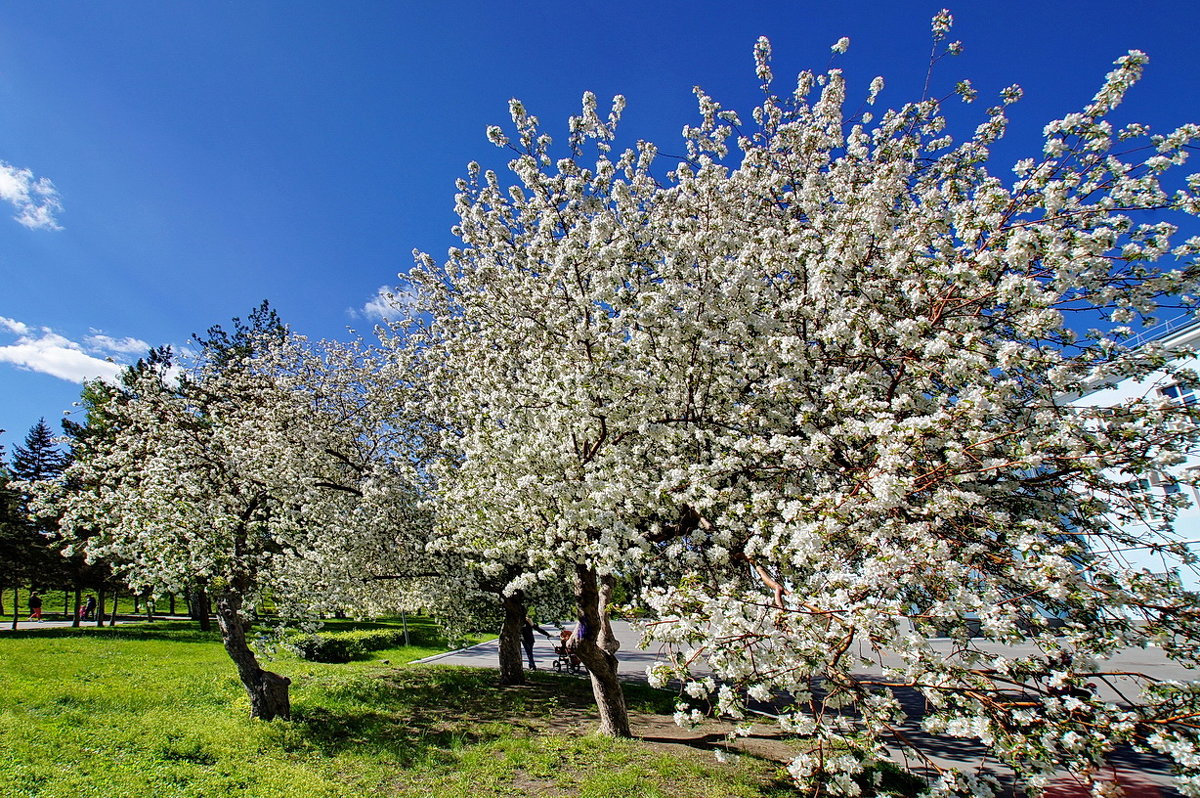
8,525
30,554
40,458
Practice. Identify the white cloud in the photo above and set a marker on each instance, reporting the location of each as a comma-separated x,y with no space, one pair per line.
388,303
99,342
12,325
48,352
35,198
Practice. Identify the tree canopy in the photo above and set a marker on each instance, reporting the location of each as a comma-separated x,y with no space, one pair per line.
257,471
816,383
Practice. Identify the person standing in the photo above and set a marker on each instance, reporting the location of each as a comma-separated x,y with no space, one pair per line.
89,609
527,629
35,606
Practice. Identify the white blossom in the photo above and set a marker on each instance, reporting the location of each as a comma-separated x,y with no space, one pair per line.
813,387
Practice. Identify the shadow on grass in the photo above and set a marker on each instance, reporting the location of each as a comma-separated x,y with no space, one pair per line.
421,632
414,713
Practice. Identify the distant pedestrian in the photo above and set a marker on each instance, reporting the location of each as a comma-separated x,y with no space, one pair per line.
88,611
527,629
35,607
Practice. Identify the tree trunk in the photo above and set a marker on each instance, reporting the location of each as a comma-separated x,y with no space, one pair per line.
78,607
606,639
100,607
66,604
2,589
511,669
16,605
171,606
601,664
268,691
200,608
112,619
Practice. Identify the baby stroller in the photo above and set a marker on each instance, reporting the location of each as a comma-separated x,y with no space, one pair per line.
566,661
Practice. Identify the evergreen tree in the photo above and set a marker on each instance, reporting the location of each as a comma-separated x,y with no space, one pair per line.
26,552
9,526
224,349
40,458
98,396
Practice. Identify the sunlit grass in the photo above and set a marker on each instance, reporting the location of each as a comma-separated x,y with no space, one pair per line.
141,711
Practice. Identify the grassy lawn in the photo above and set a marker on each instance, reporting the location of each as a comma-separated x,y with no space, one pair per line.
139,712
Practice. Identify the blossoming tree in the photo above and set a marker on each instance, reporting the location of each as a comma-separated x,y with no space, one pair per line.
265,470
819,382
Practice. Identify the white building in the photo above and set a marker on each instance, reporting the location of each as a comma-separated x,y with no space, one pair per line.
1184,332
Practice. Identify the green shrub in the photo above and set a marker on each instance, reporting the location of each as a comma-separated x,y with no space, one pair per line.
328,648
346,646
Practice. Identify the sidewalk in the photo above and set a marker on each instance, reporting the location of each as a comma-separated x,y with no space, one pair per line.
25,625
632,661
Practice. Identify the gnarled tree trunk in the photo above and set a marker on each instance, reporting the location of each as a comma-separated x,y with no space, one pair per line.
268,691
606,639
511,669
601,663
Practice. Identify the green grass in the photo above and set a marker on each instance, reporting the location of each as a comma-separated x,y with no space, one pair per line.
140,711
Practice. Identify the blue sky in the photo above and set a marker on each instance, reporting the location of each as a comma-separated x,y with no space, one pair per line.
210,155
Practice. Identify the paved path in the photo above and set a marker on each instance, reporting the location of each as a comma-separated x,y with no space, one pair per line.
24,625
632,660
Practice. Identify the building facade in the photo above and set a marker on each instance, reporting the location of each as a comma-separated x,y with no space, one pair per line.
1183,332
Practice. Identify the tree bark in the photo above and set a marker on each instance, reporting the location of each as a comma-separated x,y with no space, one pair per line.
171,606
601,664
16,608
100,608
606,639
112,619
268,691
512,671
78,607
199,607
